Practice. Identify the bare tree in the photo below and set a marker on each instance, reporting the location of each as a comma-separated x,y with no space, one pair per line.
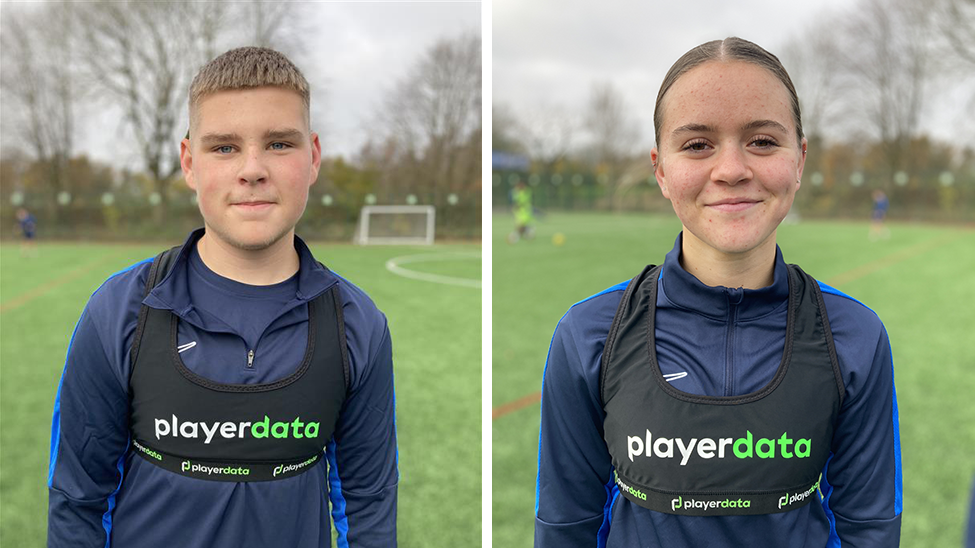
434,116
133,54
814,59
955,23
506,135
549,133
143,56
887,59
264,20
40,82
608,122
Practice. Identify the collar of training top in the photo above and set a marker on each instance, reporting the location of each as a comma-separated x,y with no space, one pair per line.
683,290
172,293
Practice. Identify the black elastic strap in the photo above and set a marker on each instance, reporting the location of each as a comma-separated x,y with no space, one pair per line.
226,471
157,272
724,504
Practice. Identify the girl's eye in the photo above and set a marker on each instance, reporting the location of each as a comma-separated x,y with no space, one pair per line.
696,146
764,142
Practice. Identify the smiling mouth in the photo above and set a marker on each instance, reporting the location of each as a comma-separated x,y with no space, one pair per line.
732,206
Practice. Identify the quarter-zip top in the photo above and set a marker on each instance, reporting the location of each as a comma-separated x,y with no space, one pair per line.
707,332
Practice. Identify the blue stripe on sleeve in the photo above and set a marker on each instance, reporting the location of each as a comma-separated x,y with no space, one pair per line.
56,419
825,490
612,493
898,480
107,516
538,455
339,517
538,461
833,291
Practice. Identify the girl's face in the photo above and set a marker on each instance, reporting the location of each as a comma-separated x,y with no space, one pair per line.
728,159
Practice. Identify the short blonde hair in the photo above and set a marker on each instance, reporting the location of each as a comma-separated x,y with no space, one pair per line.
248,67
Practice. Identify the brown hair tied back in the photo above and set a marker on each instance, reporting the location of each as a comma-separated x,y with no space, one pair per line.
729,49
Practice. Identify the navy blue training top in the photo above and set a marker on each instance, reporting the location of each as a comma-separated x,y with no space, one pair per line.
717,341
103,495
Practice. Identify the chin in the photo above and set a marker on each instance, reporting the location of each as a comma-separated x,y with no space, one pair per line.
735,246
251,240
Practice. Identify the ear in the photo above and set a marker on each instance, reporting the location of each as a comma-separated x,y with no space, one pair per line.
802,161
316,157
186,162
658,172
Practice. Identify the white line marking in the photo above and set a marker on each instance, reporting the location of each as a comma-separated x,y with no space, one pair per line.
393,265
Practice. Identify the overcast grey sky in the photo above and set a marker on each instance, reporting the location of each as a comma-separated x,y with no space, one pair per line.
355,53
550,52
545,53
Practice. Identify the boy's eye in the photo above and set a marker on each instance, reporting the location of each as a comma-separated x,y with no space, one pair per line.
279,146
225,149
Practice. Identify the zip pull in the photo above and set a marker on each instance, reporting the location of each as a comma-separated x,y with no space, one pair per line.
250,359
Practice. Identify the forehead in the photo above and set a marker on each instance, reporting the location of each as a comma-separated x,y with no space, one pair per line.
258,105
720,91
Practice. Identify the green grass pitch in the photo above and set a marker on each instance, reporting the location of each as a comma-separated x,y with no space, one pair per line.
920,282
436,330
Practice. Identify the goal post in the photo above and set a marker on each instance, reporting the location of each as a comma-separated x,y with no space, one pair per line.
396,225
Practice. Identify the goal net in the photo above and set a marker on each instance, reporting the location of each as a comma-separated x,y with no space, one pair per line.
396,225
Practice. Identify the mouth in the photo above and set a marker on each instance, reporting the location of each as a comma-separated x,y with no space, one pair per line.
252,205
732,205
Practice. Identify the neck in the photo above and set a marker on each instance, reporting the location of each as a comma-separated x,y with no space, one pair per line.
271,265
752,269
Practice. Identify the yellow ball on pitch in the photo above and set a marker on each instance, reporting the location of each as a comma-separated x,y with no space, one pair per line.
558,238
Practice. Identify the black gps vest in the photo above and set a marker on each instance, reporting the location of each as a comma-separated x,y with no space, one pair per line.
688,454
199,428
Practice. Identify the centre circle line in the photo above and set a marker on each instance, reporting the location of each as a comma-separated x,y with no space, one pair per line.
393,265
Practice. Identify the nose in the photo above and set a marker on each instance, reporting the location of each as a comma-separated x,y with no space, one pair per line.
253,170
731,166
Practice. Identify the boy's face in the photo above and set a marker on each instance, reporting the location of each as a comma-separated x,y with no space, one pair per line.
251,159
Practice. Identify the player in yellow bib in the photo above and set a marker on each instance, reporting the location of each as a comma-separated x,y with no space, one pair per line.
524,217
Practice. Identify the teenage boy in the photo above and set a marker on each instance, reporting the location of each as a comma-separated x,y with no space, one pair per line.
216,395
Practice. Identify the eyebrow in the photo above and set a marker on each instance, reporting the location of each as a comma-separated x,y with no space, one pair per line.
286,133
214,138
695,128
755,124
271,134
758,124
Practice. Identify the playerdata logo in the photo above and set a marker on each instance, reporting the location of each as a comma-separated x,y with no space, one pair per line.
629,489
229,430
285,468
194,468
145,450
691,504
788,500
707,448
